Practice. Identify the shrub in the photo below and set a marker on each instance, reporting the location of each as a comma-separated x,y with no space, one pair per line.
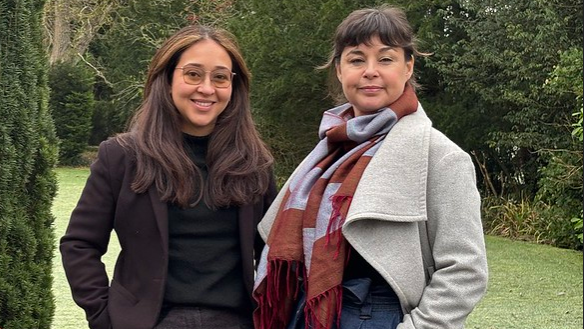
510,219
534,221
104,122
71,105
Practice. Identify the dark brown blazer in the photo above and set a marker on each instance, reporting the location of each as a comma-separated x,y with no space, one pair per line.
134,297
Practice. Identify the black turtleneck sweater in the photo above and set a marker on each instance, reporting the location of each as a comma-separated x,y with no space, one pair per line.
204,266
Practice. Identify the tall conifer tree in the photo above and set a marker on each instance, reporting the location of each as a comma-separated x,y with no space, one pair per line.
27,182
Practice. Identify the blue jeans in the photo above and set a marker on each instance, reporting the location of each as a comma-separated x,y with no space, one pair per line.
364,307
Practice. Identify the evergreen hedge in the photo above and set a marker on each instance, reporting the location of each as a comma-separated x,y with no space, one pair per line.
71,105
28,154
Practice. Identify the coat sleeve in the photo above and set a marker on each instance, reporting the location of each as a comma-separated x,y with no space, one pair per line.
457,242
86,241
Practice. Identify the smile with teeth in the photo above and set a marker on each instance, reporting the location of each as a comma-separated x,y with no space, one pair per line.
203,103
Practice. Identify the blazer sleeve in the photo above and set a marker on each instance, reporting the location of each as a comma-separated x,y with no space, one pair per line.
456,236
87,237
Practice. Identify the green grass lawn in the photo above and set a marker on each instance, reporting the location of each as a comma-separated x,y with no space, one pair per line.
67,314
530,286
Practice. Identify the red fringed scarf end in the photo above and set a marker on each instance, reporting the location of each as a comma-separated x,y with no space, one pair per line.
321,316
282,285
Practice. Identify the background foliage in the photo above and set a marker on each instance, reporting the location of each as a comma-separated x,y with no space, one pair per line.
27,182
503,81
516,62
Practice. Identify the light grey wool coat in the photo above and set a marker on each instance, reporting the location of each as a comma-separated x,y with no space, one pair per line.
418,174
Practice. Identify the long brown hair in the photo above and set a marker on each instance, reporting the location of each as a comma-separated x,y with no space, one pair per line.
238,160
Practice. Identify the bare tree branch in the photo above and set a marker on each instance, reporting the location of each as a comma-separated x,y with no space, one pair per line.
97,71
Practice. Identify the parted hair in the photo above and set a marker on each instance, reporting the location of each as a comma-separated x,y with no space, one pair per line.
389,23
239,162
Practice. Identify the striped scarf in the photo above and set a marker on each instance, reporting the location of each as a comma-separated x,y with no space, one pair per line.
306,239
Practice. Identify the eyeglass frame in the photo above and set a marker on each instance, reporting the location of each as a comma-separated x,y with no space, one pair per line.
233,74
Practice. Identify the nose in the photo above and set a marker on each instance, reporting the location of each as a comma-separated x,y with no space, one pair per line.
206,87
371,71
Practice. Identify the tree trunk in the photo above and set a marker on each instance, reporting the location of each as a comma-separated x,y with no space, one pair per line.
72,26
60,16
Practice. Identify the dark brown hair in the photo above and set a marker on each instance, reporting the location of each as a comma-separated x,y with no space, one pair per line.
238,160
387,22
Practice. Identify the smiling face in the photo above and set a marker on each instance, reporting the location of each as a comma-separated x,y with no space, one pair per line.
373,75
200,105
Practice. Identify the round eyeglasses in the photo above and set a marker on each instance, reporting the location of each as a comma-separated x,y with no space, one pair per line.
195,75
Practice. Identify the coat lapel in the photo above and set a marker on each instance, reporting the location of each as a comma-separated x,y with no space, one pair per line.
390,197
393,186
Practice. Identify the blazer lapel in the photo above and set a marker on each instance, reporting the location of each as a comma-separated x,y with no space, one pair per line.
246,237
160,210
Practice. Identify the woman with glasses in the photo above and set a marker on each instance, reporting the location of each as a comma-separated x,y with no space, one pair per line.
379,227
183,189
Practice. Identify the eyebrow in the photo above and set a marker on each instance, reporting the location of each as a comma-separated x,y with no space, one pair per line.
356,51
218,67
